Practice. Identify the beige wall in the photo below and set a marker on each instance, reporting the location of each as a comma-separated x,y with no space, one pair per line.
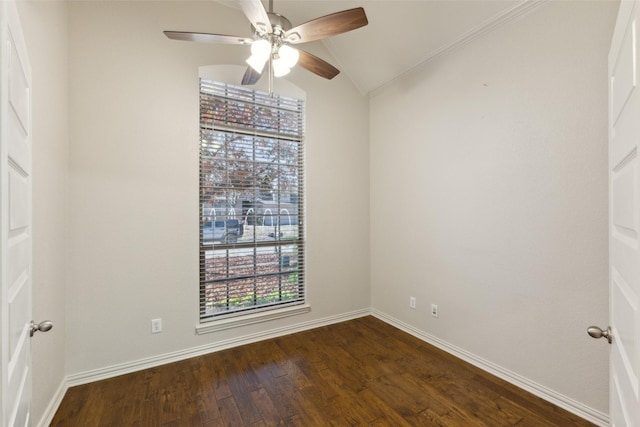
45,29
500,150
133,165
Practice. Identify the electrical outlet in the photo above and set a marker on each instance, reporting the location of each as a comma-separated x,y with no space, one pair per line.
156,326
434,310
412,302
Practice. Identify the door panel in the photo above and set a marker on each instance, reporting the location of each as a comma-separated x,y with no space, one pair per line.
625,208
18,304
18,200
625,306
624,81
18,87
18,139
624,216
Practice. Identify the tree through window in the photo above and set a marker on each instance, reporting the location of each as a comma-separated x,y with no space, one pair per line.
251,200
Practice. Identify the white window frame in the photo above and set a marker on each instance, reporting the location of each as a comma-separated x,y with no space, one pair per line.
258,312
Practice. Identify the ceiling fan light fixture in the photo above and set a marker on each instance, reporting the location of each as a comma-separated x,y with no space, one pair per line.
280,68
289,55
260,51
256,63
261,48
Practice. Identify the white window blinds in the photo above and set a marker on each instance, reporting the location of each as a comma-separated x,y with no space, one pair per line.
251,201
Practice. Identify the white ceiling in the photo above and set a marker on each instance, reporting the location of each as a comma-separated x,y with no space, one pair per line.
401,34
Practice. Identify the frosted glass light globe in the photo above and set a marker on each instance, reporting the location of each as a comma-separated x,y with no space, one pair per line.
260,51
280,68
261,48
289,55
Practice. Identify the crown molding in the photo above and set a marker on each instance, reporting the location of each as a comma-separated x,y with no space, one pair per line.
519,10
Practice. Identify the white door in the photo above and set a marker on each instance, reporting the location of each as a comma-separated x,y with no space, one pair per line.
624,218
15,220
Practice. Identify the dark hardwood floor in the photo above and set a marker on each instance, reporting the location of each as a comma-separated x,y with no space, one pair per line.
361,372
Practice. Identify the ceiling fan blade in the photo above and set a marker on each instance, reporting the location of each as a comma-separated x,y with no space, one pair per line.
327,26
251,76
317,65
206,38
257,15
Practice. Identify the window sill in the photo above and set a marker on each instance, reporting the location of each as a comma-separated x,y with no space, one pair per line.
250,319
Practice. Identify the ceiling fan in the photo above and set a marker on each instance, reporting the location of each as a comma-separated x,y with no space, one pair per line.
273,37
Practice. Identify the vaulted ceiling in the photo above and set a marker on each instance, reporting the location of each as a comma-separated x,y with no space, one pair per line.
401,34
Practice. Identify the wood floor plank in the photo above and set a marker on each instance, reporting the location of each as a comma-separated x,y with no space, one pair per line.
229,413
205,384
241,385
540,407
387,415
389,390
266,407
327,391
362,372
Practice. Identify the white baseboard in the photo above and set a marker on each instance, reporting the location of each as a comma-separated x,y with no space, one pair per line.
596,417
150,362
54,404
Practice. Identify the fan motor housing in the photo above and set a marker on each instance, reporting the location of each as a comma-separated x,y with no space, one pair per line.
279,23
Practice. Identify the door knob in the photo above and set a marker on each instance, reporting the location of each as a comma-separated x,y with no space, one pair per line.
42,327
596,332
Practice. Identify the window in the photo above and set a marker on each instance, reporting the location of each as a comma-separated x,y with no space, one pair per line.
251,201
